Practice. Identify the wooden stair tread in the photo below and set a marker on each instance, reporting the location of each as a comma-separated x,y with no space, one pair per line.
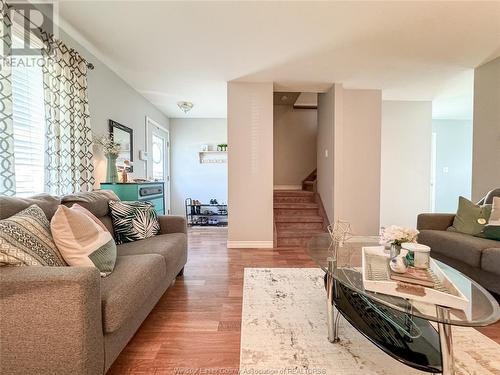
296,205
292,192
298,219
298,234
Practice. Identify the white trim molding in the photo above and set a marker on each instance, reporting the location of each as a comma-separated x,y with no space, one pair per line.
250,244
287,187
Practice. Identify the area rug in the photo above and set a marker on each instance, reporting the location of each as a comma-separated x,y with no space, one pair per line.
284,331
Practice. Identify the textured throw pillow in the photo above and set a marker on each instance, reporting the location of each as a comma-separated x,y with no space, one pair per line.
470,218
25,240
133,221
81,240
492,229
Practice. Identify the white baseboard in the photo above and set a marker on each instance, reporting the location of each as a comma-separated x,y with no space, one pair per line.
250,244
287,187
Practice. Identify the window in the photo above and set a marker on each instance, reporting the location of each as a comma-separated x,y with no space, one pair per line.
158,158
28,117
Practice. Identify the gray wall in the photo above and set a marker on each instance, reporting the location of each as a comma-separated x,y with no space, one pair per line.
110,97
486,146
406,161
190,178
453,172
295,132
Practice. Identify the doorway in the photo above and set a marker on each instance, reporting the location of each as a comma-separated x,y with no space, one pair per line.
158,160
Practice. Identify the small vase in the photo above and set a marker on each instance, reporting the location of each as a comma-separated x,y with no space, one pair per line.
395,251
398,264
111,171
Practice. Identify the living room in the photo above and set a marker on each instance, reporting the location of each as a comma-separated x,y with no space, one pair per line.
254,187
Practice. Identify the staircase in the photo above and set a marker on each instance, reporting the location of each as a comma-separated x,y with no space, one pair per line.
297,217
309,183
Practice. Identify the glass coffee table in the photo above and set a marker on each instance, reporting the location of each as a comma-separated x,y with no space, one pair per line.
401,327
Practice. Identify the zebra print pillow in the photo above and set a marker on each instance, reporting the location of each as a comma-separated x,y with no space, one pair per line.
133,221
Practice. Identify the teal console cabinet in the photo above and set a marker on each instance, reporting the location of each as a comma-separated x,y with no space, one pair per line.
153,192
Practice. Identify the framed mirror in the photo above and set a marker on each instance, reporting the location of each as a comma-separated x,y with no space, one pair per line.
125,137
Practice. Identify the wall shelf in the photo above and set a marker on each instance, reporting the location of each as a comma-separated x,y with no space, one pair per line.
212,157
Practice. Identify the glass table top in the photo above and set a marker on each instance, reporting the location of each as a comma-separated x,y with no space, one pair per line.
482,309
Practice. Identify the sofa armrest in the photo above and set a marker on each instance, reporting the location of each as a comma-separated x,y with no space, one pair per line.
435,221
50,320
172,224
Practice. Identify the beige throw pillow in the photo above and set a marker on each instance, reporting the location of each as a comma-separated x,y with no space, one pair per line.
81,240
495,212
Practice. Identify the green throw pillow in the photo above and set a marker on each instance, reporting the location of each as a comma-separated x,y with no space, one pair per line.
470,218
491,232
133,221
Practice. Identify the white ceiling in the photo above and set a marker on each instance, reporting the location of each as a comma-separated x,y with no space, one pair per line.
172,51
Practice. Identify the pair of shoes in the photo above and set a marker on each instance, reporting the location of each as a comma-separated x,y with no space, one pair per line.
213,201
213,221
196,202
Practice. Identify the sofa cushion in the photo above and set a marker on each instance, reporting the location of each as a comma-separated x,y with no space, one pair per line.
108,223
171,246
491,260
123,292
12,205
455,245
96,202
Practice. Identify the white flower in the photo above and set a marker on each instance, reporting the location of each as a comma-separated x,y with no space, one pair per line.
107,144
396,235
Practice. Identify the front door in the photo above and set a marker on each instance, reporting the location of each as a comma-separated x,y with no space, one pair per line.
158,161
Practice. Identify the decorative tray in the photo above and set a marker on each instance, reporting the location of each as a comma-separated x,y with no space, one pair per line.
377,278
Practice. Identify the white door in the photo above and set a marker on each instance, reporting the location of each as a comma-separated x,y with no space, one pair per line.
158,161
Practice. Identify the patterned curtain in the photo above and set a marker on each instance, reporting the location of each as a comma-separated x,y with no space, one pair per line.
68,152
7,171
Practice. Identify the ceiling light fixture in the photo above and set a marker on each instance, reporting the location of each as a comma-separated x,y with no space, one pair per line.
185,106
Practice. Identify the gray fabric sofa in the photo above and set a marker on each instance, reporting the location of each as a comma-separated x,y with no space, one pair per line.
477,258
69,320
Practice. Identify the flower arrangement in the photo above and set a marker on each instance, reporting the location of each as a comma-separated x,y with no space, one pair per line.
107,144
396,235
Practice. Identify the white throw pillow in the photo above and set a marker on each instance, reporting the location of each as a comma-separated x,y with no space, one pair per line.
81,240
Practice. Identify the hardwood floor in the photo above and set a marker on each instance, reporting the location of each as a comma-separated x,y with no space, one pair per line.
195,327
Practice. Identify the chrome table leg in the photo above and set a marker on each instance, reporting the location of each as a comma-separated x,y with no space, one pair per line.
445,339
332,313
